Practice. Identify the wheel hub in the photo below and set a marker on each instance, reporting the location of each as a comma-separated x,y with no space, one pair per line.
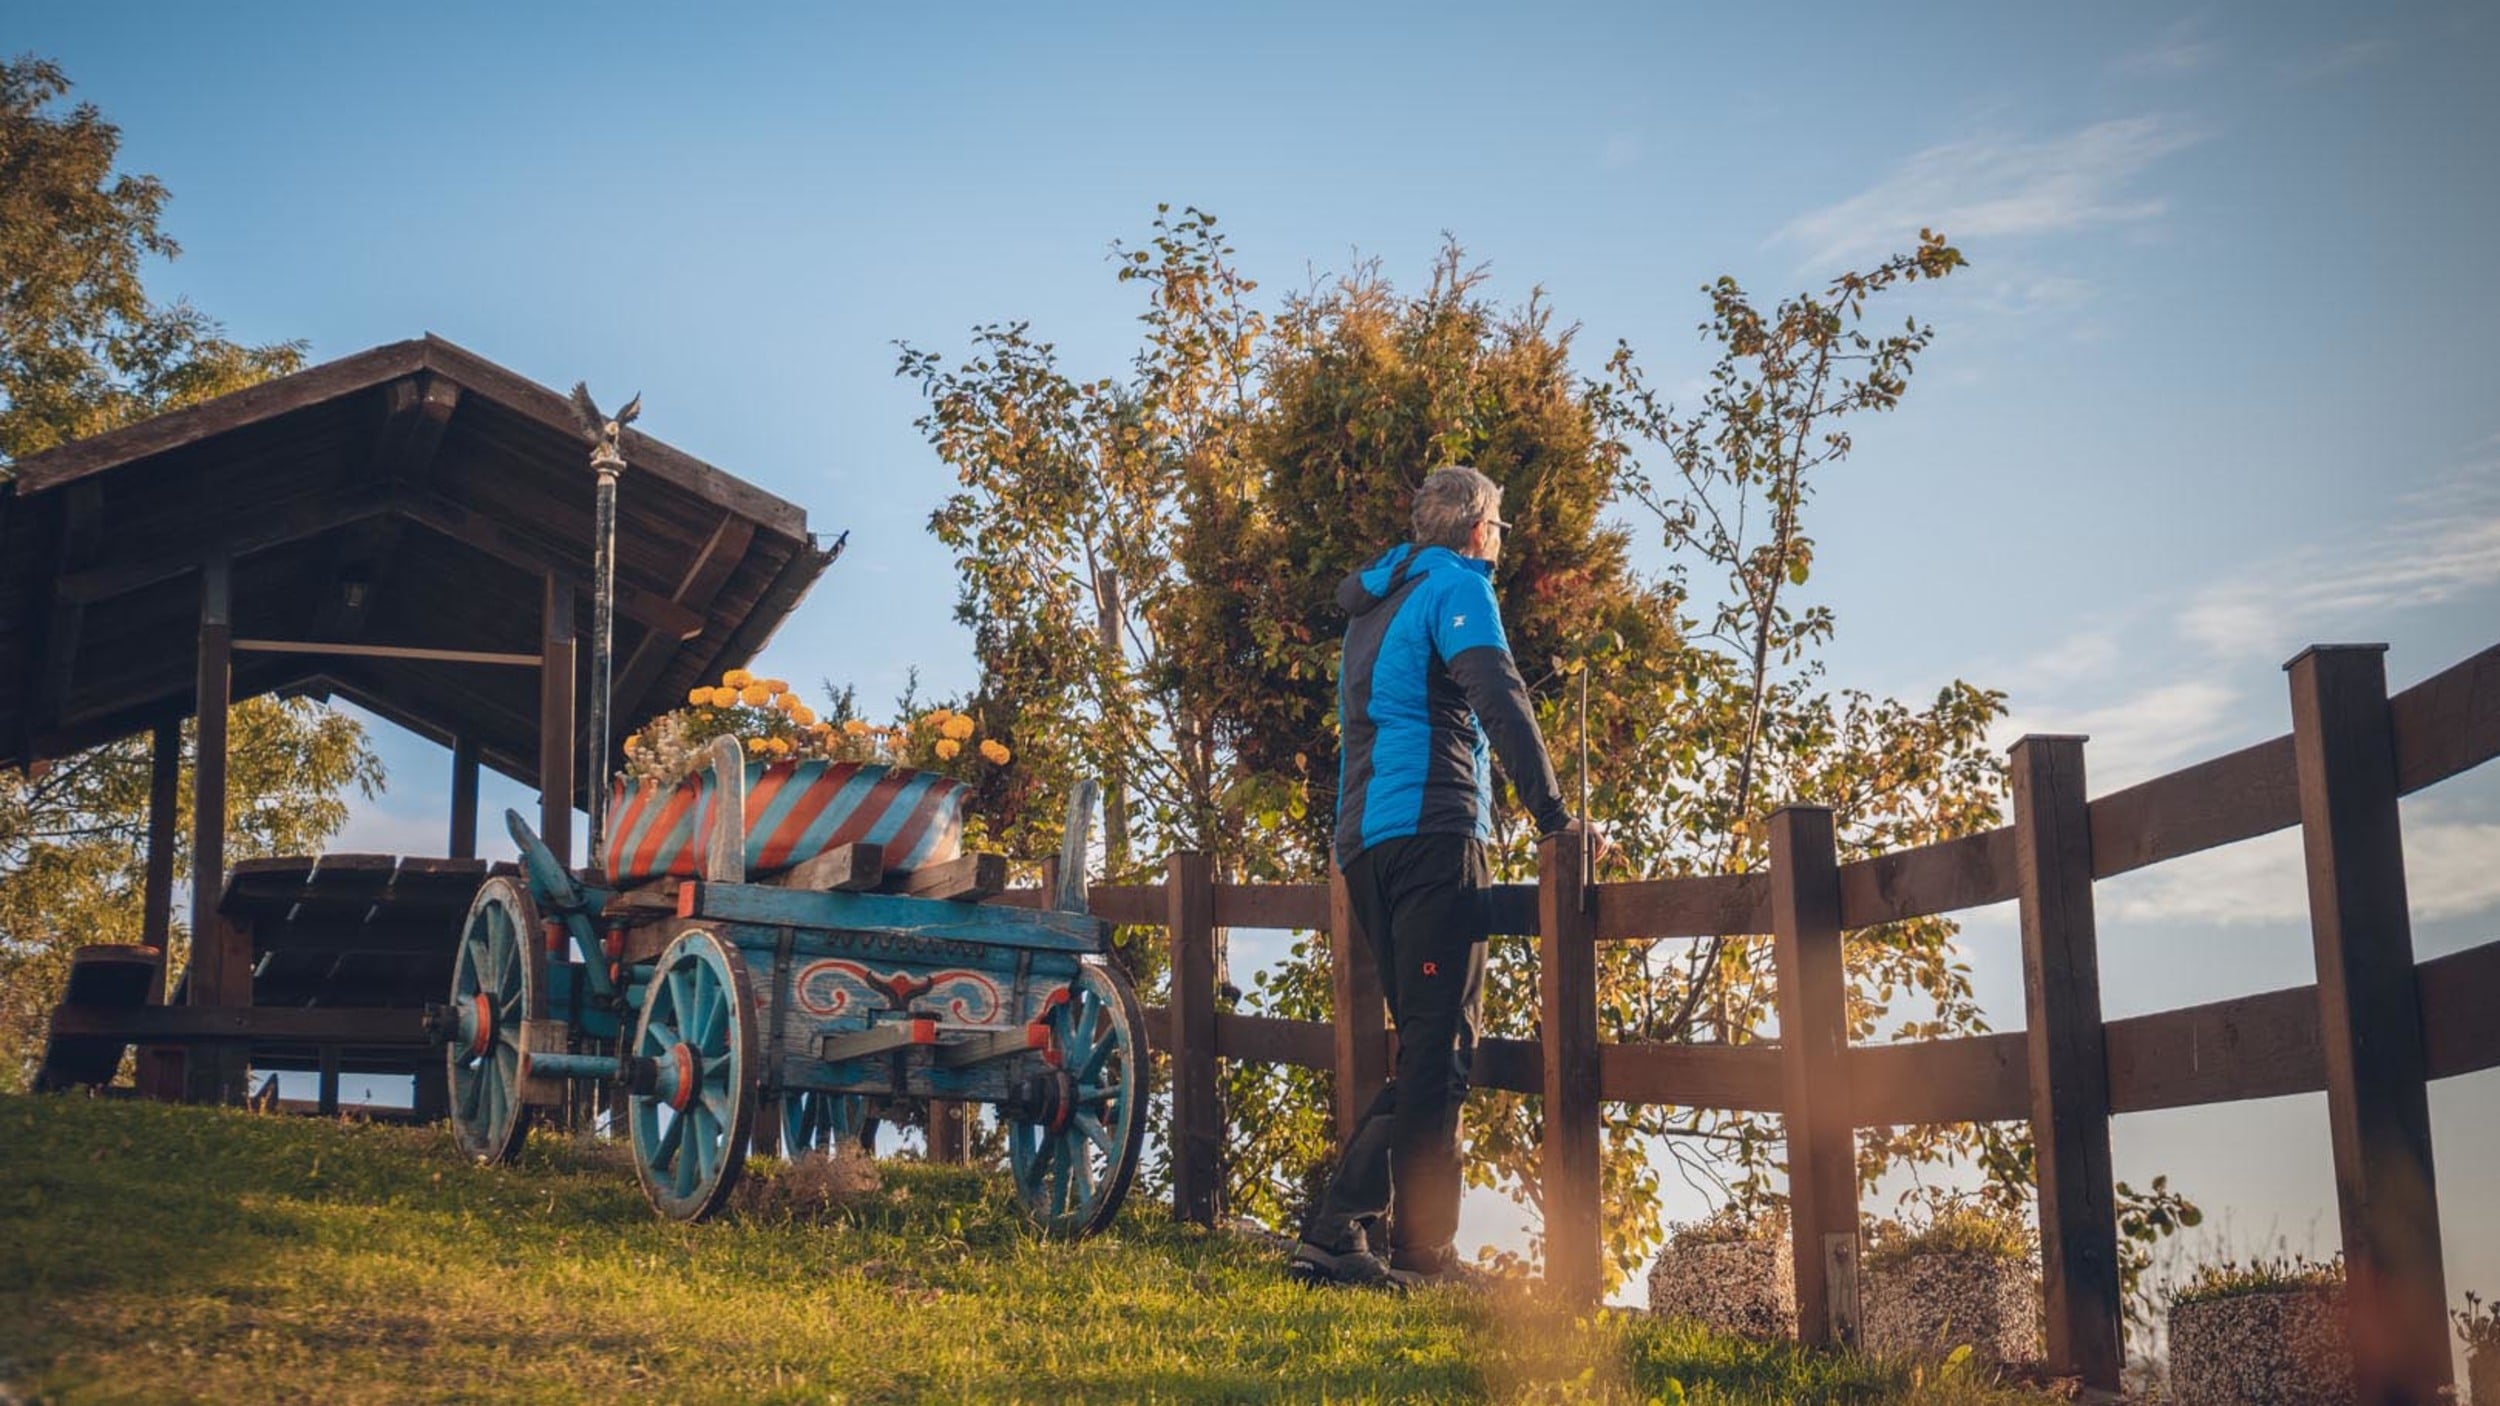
1047,1098
681,1076
481,1014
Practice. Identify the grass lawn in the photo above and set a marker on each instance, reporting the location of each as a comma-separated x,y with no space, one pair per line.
155,1253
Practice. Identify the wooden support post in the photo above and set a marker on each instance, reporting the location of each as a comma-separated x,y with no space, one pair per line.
1197,1120
2370,1024
555,721
157,902
221,965
1568,1163
430,1095
328,1094
463,799
947,1134
2069,1062
1362,1053
1814,1071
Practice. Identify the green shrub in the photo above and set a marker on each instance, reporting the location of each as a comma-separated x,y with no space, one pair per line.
1953,1227
2479,1324
1729,1225
2260,1274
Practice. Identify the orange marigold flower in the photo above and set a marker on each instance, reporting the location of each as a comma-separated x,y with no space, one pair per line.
633,743
777,685
724,698
856,727
698,696
958,727
803,715
947,747
737,678
757,745
755,695
995,750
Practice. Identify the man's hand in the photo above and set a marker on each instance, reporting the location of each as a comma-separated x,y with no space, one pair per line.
1592,836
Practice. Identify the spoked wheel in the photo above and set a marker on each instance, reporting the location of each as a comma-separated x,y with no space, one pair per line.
1074,1131
494,987
698,1027
813,1121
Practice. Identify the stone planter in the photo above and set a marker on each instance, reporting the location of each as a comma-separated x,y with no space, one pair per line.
1928,1305
2285,1348
1746,1287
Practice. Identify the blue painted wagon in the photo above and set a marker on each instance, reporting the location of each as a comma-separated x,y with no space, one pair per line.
806,1001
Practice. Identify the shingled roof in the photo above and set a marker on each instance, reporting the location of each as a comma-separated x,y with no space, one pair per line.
415,495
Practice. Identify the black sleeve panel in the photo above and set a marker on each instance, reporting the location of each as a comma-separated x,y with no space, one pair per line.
1500,699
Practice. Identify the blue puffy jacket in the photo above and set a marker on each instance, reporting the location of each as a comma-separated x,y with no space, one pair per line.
1427,679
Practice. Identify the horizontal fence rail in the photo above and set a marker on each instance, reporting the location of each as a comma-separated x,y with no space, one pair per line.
2338,782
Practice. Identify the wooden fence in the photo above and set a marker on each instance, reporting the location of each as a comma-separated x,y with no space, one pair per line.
2372,1030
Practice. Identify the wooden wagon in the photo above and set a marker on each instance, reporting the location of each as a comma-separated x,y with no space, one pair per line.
814,1000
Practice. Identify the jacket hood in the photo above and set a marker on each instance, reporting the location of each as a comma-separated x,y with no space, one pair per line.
1361,590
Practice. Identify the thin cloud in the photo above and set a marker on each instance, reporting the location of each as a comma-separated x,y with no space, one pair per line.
2182,49
2143,735
2447,547
2337,61
1995,186
2448,874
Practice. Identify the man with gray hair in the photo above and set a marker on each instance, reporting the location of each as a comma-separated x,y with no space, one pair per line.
1427,682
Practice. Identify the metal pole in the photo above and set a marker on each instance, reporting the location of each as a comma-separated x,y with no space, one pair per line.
607,460
607,463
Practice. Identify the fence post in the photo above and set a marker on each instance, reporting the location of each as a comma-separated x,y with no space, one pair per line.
1814,1073
1197,1122
2069,1062
1567,1034
1355,1002
2370,1022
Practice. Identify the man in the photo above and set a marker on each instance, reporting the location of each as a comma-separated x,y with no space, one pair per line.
1427,679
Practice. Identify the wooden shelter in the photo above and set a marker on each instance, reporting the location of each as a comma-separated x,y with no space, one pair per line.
408,529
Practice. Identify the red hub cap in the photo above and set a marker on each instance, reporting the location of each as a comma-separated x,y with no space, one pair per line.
484,1039
682,1055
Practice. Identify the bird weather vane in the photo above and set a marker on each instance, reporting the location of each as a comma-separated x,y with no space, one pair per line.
607,455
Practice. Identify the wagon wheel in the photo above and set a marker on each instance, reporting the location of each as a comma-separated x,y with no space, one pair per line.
494,987
698,1028
817,1121
1074,1136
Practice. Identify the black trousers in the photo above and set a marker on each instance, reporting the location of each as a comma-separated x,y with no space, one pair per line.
1420,900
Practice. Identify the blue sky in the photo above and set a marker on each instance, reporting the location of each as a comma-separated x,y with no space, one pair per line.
2218,382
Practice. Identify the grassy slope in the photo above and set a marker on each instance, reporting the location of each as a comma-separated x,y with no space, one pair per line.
160,1253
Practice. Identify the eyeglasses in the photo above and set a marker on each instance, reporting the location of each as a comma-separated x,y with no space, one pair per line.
1497,522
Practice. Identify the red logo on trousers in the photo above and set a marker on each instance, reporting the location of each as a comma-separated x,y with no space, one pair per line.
1432,969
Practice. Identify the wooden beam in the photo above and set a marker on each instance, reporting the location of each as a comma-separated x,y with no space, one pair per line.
217,979
1197,1119
966,879
463,840
1569,1161
499,540
1360,1046
157,900
2069,1062
277,1025
81,537
418,410
160,433
852,868
296,523
344,650
697,589
2370,1023
1814,1051
555,720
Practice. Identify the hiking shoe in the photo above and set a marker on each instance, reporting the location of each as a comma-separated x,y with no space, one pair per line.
1426,1269
1317,1264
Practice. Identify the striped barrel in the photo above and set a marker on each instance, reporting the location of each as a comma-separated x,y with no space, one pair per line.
795,811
